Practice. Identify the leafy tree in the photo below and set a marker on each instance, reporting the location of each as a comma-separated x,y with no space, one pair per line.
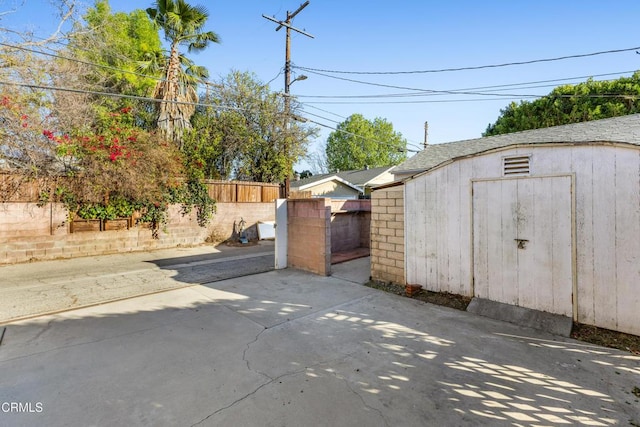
183,25
590,100
305,174
118,41
318,161
242,134
359,142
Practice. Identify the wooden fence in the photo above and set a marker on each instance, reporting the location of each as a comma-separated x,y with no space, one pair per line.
20,188
17,188
242,191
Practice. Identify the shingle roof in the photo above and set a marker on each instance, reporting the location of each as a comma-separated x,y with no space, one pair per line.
624,129
355,177
362,177
310,180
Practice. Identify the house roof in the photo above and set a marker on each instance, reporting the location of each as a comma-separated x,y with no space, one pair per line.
623,129
306,183
358,178
364,176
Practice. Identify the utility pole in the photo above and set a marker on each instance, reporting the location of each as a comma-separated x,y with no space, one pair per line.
287,79
426,134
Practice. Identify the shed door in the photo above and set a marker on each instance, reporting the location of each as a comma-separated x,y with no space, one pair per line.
522,236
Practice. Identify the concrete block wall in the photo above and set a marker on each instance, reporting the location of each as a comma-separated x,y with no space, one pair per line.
387,235
309,235
350,224
345,231
29,232
228,216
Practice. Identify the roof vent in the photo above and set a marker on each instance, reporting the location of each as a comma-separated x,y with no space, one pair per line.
517,165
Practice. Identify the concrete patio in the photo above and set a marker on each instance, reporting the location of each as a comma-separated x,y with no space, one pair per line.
291,348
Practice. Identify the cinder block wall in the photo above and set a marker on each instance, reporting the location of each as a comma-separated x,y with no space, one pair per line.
228,216
309,235
29,232
350,224
387,235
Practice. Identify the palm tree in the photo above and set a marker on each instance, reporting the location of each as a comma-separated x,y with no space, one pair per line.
183,26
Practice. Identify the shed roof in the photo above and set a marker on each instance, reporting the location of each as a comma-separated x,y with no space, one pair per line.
623,129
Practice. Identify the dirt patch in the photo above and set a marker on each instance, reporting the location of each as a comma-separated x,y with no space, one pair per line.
458,302
586,333
606,337
238,244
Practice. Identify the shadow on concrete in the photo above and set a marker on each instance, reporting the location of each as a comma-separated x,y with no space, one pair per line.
229,263
295,349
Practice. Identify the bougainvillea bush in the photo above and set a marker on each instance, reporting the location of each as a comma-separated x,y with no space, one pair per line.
105,171
116,159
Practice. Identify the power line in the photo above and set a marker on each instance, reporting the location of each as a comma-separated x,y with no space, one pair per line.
409,102
446,92
80,61
120,95
337,122
324,111
477,67
277,75
344,131
551,81
437,101
480,88
358,136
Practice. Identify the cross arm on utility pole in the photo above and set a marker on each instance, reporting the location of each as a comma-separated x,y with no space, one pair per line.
290,16
287,77
287,25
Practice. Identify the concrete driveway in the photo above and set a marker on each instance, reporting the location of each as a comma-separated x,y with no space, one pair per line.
286,348
32,289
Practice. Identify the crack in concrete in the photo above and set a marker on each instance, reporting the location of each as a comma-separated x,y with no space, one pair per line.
41,332
235,402
244,354
286,374
78,344
271,381
292,319
346,383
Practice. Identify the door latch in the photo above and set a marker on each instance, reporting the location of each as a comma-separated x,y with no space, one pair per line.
521,243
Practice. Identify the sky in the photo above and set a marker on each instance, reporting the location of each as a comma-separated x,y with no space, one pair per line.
399,37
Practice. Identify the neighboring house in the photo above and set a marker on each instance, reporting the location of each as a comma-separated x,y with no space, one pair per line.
547,219
327,185
345,185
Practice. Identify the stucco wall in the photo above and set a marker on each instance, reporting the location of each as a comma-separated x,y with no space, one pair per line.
29,232
387,235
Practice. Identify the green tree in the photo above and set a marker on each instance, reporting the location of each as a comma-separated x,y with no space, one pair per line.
242,134
358,142
590,100
183,25
305,174
118,41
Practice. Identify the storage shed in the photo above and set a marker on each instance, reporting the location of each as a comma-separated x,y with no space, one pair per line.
547,219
